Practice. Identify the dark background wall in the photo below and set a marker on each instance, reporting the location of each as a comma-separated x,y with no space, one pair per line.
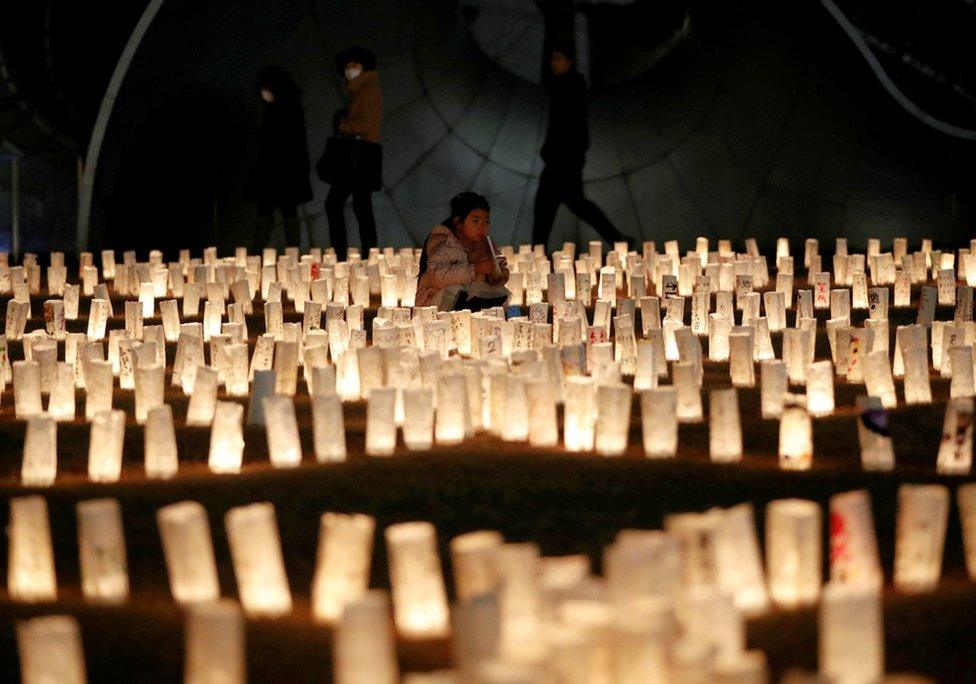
763,121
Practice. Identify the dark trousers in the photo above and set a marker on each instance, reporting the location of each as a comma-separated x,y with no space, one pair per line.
265,222
362,207
564,185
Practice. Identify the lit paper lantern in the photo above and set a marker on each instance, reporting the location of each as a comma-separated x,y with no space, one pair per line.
795,439
878,379
203,395
923,512
188,549
452,410
380,425
820,388
773,386
851,634
105,446
162,460
50,650
613,419
853,546
740,572
793,552
685,382
364,650
961,363
697,536
98,388
262,584
214,644
418,418
226,438
281,428
342,567
724,426
419,597
741,368
966,498
877,452
101,547
659,422
328,428
579,416
61,404
918,389
149,390
543,427
956,445
30,559
27,389
515,425
474,559
40,461
719,327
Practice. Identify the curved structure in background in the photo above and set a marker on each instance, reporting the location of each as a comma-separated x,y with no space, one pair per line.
750,127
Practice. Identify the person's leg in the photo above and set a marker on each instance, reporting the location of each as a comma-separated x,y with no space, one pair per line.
362,206
335,208
293,226
262,227
546,205
587,210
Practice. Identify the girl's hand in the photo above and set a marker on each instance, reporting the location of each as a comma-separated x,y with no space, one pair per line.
483,268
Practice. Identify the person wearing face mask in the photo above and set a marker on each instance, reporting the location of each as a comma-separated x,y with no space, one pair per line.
459,268
279,179
362,118
564,153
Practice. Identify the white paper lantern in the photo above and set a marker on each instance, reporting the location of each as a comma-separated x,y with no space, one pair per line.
106,440
923,512
30,559
364,650
342,566
853,546
851,634
226,438
795,439
188,549
50,650
101,547
214,644
262,584
419,597
40,461
281,428
613,419
793,551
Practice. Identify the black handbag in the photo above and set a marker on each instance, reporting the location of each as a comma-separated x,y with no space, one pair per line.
351,160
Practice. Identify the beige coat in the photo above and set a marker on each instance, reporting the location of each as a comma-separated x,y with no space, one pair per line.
447,265
365,113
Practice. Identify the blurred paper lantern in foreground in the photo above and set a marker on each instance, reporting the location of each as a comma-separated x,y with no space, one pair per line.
342,566
966,498
187,546
214,645
364,648
162,460
956,446
613,418
106,439
380,425
30,562
40,461
281,429
101,546
853,546
697,535
328,428
50,650
795,439
851,634
793,551
659,422
877,452
923,512
262,584
419,597
226,438
474,559
724,426
740,560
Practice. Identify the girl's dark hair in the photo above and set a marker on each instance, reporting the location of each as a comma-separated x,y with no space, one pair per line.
462,204
279,82
358,54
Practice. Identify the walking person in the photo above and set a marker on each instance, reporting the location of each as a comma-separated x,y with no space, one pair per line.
361,119
564,153
279,179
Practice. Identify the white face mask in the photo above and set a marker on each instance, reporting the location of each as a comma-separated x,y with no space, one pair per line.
353,72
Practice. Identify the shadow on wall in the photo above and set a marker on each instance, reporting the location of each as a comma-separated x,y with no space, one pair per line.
760,124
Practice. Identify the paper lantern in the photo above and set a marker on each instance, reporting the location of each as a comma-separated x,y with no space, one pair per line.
918,389
796,355
106,438
101,547
97,319
286,367
226,438
613,419
579,416
347,375
262,584
187,546
741,369
162,460
474,559
149,390
27,389
719,327
642,569
541,399
853,546
98,388
966,498
30,559
697,536
515,424
452,409
61,404
418,418
380,426
659,422
923,512
956,445
961,364
203,396
724,426
236,369
877,452
328,428
54,319
214,644
364,650
50,650
878,379
40,461
419,597
795,439
688,397
773,388
281,428
793,551
820,388
851,634
342,567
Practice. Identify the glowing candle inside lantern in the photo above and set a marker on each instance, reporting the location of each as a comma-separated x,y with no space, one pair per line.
851,634
613,418
50,650
579,419
474,559
853,546
214,644
418,418
262,584
187,546
419,597
364,650
795,439
659,422
923,512
161,456
101,546
793,551
685,381
820,388
281,428
30,559
105,446
226,438
203,399
543,427
718,336
61,404
452,409
380,425
956,446
328,428
342,567
724,426
27,389
40,462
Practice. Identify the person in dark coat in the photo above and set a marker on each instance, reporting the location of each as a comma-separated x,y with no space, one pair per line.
280,176
362,118
564,153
